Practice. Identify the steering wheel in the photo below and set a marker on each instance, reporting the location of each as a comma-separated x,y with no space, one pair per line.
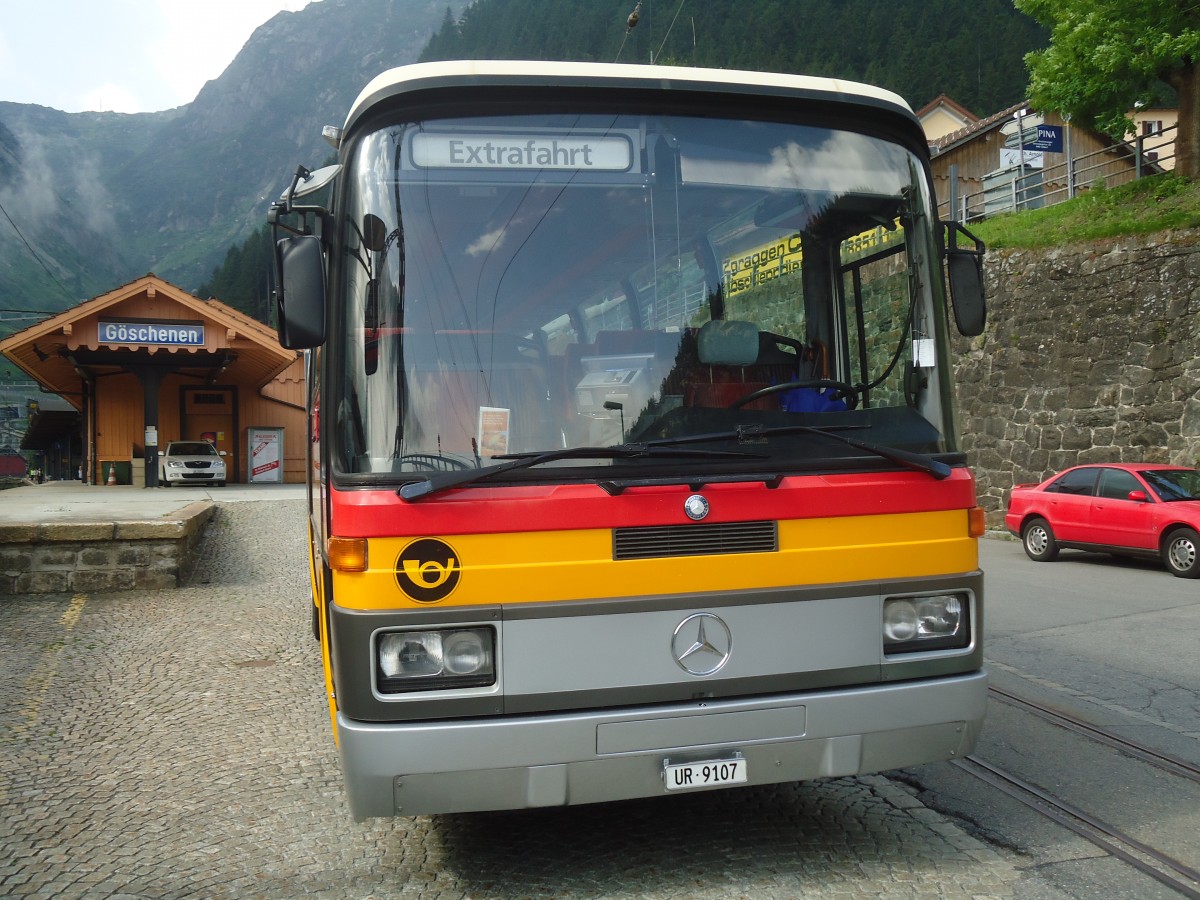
432,462
843,390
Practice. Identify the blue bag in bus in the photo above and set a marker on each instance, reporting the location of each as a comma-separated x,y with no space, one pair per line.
811,399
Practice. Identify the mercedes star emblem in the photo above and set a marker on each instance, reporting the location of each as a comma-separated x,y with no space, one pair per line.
696,507
701,644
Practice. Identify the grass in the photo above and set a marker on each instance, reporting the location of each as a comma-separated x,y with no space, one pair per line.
1155,203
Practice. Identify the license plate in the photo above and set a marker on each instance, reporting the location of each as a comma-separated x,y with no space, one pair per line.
706,773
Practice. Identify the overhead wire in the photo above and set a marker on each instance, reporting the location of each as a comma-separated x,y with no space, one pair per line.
35,255
632,21
678,10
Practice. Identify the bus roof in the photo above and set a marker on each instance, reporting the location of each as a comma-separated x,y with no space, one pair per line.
461,73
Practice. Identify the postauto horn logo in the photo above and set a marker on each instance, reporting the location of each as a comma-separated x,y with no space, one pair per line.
428,570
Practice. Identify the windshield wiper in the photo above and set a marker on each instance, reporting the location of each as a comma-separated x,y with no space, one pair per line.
442,481
749,433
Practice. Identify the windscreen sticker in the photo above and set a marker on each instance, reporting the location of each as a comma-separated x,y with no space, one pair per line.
923,353
428,570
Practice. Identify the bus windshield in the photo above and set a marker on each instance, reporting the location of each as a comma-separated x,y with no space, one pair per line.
523,284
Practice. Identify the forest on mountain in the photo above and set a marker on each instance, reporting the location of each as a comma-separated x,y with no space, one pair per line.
973,52
243,279
917,48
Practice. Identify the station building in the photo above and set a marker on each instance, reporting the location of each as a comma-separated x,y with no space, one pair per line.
147,364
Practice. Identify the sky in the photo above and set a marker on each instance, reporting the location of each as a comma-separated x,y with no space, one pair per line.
122,55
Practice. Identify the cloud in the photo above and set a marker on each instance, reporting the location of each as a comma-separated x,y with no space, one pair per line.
41,193
146,55
200,38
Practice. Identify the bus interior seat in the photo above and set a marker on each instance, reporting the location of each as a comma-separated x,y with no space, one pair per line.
735,358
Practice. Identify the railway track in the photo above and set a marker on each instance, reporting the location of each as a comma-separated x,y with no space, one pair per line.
1166,761
1163,868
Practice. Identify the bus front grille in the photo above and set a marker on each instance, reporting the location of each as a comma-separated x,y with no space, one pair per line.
695,540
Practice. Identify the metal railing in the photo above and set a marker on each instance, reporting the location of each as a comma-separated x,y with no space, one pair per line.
1025,187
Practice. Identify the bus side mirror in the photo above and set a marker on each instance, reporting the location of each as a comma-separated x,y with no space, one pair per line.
965,270
300,291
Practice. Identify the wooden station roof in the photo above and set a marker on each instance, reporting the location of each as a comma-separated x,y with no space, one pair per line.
60,350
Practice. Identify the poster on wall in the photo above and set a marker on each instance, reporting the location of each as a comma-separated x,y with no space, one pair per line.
264,457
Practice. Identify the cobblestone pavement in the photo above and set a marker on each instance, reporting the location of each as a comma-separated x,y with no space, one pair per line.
176,744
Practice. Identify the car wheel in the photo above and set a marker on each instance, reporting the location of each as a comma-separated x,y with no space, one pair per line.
1038,540
1181,553
162,480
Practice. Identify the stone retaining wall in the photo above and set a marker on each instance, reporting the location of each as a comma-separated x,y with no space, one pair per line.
100,556
1090,355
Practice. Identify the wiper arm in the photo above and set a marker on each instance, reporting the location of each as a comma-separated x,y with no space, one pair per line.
443,481
918,461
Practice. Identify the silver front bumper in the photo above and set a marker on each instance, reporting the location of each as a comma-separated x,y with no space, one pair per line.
516,762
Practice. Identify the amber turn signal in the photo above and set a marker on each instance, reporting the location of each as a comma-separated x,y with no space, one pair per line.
347,554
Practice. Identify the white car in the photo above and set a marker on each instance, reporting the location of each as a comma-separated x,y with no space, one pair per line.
191,462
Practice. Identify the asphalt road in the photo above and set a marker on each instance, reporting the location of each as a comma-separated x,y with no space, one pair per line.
1112,642
1113,637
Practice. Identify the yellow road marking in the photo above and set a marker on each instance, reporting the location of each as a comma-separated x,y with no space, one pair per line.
37,685
71,616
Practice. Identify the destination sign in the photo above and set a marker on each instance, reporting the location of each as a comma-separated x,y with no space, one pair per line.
471,150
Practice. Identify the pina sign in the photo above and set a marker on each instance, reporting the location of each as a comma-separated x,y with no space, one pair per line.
1049,139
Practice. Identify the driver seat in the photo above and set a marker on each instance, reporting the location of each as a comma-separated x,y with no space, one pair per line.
735,358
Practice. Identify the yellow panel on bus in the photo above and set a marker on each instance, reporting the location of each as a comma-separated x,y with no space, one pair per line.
532,567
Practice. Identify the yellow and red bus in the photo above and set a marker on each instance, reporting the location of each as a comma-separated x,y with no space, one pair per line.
633,462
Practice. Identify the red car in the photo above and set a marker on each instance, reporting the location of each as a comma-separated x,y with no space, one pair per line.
1131,509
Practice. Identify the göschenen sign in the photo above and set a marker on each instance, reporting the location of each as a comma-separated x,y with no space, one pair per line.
143,334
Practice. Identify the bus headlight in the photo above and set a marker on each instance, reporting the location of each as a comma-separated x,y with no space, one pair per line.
435,660
935,622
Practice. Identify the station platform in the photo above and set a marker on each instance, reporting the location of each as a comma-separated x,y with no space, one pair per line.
76,502
66,536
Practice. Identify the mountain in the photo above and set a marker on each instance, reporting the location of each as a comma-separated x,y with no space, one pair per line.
57,216
89,201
